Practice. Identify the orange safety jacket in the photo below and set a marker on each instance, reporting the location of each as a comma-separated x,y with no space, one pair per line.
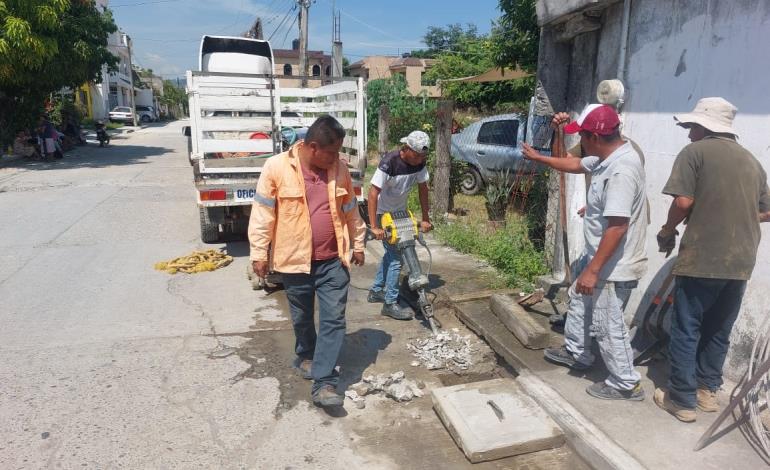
280,219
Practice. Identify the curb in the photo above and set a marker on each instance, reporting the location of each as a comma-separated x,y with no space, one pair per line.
591,443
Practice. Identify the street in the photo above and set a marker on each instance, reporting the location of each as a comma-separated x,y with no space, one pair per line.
106,363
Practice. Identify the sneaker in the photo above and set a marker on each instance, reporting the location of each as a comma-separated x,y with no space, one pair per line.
396,312
707,400
303,368
661,399
563,357
556,319
605,392
327,396
375,297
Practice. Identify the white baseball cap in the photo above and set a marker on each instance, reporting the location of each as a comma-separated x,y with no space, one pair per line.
417,141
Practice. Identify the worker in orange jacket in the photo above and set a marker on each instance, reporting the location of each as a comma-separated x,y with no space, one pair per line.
305,215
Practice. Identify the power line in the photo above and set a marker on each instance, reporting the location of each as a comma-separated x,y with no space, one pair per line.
288,30
281,23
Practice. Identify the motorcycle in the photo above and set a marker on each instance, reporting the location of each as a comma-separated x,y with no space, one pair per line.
101,134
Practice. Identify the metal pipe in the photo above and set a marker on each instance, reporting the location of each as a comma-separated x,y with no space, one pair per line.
624,41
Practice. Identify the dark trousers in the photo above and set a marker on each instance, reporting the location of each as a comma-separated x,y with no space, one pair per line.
329,281
704,313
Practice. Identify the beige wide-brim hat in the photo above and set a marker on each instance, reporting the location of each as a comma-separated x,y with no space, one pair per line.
715,114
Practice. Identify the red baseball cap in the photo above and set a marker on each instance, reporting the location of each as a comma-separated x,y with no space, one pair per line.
596,118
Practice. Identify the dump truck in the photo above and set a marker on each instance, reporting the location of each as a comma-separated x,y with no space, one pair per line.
241,113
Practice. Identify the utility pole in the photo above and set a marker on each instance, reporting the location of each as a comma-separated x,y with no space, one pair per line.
304,6
131,77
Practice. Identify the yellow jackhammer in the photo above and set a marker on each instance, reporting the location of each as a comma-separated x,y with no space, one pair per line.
401,230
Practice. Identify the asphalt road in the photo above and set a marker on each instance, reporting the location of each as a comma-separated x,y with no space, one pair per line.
107,363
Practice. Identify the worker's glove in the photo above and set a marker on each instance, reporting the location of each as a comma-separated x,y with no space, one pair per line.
667,240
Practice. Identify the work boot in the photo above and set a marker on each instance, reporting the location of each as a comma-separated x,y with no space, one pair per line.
707,400
327,396
661,399
563,357
605,392
396,312
375,297
303,367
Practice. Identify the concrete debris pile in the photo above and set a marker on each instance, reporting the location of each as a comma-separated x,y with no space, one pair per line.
444,351
395,386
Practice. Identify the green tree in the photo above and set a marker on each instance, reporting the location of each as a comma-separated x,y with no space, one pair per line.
407,112
516,35
473,57
46,45
442,39
175,98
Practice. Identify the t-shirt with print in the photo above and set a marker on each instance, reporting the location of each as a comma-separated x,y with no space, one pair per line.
729,187
395,178
617,189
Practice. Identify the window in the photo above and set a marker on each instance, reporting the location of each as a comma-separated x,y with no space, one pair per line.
287,69
316,70
499,133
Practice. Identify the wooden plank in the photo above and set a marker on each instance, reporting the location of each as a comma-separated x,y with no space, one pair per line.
232,91
325,90
239,124
226,81
253,162
234,103
518,322
494,419
320,107
347,122
480,294
244,145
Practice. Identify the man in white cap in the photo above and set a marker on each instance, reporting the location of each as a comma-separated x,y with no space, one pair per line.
395,176
721,190
614,227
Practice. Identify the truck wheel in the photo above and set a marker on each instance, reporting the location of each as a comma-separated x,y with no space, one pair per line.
471,182
209,231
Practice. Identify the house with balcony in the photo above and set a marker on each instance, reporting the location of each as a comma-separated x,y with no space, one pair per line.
411,68
286,64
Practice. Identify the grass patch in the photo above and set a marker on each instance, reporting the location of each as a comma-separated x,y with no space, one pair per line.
508,249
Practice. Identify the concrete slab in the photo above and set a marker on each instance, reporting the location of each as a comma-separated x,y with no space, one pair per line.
494,419
519,322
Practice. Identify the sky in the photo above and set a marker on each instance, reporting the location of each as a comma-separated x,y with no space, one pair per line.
166,33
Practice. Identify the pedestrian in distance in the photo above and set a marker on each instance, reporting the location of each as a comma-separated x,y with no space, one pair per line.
305,220
398,172
720,190
49,136
614,226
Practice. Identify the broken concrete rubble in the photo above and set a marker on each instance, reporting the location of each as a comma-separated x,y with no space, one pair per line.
395,386
444,350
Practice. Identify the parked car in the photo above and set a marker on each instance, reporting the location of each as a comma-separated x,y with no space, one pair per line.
121,114
491,145
146,113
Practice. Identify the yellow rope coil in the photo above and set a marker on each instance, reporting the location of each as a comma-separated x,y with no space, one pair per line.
196,262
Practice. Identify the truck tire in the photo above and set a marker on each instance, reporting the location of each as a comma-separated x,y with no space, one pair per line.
471,182
209,230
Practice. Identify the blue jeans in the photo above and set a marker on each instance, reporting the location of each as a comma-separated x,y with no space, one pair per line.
329,281
704,313
388,272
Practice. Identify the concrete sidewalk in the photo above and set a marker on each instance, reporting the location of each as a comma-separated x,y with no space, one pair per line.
656,439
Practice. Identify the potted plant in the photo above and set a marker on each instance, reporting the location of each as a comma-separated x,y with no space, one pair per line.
497,194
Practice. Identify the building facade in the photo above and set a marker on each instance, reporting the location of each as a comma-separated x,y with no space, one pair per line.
411,68
287,65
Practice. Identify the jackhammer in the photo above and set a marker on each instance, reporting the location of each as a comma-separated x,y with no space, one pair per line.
401,230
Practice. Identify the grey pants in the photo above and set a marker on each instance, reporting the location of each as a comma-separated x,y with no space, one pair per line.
600,316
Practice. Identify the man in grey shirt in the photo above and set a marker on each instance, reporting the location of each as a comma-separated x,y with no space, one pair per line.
614,228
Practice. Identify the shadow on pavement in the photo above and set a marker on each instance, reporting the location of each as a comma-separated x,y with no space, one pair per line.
93,156
360,350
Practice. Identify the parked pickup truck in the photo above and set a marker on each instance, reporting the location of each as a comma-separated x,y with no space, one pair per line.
241,114
493,144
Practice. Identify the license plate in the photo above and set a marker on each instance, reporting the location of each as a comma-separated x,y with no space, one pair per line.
244,195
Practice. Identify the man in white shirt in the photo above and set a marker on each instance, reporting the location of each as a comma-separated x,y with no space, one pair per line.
395,176
614,228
